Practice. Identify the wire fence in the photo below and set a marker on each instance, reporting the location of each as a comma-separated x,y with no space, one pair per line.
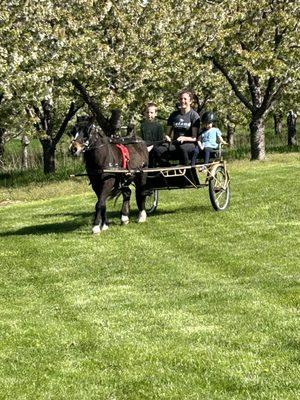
12,158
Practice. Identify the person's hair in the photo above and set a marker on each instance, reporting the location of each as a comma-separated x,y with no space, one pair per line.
150,104
188,91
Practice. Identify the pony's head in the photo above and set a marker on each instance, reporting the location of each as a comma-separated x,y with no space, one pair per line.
85,132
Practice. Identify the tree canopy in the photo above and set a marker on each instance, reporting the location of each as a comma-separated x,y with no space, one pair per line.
240,55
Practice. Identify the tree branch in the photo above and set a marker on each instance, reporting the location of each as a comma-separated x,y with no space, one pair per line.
70,114
201,105
102,121
255,90
278,36
276,93
47,117
37,111
40,117
251,87
233,85
265,105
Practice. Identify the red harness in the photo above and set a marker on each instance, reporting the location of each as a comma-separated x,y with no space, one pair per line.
125,154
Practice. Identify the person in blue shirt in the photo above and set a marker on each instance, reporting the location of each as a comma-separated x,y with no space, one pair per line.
208,139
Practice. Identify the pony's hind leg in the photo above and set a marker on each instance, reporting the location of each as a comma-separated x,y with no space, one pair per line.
126,193
142,216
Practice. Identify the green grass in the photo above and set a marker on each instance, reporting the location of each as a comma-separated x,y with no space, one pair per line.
19,178
193,304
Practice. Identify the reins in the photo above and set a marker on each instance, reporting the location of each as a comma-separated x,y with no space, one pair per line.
88,148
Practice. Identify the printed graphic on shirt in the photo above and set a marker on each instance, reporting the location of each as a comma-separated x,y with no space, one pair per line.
183,123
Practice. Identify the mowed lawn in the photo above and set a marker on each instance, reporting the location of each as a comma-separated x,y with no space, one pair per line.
193,304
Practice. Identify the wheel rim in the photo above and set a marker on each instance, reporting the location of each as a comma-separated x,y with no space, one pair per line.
220,189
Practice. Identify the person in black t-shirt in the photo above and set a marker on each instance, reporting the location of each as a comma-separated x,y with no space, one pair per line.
182,131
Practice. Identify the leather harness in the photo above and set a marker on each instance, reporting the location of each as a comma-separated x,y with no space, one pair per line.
125,154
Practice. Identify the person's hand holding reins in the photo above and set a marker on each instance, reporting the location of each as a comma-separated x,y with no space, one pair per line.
181,139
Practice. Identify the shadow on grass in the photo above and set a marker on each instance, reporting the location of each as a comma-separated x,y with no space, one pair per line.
80,220
67,214
112,214
44,229
191,209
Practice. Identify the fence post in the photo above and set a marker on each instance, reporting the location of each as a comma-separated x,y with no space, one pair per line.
291,127
25,142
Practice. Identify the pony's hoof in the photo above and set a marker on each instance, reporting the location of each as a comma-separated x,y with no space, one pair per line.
96,230
142,216
124,220
104,227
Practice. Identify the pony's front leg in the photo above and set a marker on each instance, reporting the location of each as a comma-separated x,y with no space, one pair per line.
100,216
140,192
126,193
100,222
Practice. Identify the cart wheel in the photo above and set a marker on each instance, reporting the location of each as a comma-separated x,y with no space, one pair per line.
151,201
219,190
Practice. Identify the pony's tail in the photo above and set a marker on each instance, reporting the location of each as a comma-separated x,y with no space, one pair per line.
115,194
116,198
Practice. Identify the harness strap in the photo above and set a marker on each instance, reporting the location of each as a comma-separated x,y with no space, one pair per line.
125,154
125,140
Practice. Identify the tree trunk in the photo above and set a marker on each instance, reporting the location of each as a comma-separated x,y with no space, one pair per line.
260,103
48,156
46,126
230,135
115,121
24,156
130,130
257,138
291,126
278,119
230,131
2,131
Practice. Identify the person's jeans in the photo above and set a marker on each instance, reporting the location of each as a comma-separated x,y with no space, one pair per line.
186,151
204,154
174,151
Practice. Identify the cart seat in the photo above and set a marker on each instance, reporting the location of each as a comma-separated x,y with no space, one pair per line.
219,153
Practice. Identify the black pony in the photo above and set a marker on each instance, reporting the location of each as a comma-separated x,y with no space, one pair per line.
100,152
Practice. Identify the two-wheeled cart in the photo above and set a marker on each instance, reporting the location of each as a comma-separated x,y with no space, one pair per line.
213,175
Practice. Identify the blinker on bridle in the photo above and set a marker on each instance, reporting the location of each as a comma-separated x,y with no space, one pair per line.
87,132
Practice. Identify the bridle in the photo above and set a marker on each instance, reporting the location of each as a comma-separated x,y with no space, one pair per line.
86,146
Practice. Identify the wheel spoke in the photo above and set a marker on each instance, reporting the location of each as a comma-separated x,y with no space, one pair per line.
151,201
219,196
